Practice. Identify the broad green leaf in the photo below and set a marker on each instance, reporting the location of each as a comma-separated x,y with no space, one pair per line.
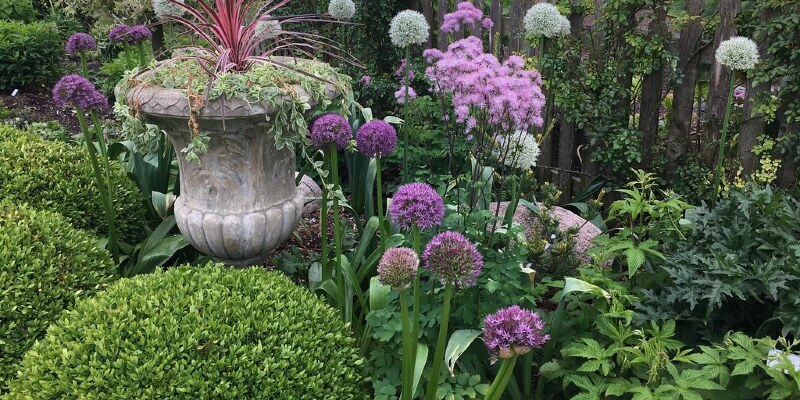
457,345
419,364
577,285
378,294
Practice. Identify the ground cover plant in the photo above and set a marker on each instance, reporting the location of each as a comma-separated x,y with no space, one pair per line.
502,199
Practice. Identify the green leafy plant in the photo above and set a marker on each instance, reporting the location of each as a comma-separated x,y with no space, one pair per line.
45,265
18,10
58,177
30,54
224,333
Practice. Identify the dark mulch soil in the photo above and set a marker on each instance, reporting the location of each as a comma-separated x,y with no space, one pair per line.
36,105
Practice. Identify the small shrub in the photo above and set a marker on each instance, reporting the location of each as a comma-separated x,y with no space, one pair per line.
30,54
58,177
205,333
17,10
45,266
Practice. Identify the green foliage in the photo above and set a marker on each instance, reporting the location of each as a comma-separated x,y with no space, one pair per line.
30,54
51,130
58,177
45,266
739,268
203,332
17,10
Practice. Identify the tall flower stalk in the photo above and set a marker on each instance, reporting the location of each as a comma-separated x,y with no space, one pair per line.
738,54
77,92
80,44
408,28
454,261
377,139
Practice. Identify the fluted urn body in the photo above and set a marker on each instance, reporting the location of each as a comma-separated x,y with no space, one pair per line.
240,201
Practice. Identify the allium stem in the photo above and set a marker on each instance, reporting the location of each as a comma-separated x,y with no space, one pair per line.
337,232
142,54
408,351
550,346
501,380
723,138
84,68
415,321
323,224
512,208
381,216
405,114
441,342
128,60
105,199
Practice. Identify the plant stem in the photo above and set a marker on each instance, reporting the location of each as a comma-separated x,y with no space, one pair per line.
105,198
722,139
405,115
512,207
142,55
337,231
381,223
550,346
84,68
128,60
408,351
527,374
502,379
415,322
441,342
323,223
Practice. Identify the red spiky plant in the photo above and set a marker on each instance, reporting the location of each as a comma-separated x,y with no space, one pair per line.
234,44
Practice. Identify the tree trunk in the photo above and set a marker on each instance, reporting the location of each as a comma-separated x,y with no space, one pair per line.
567,130
442,10
680,123
787,174
720,81
427,11
516,28
496,14
652,86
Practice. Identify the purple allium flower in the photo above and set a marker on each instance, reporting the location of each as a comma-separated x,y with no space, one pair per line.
398,267
80,42
416,204
330,128
366,80
465,15
513,331
76,91
400,95
453,259
376,138
487,23
119,33
138,33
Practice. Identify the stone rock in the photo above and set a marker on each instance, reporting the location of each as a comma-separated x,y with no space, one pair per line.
566,220
311,193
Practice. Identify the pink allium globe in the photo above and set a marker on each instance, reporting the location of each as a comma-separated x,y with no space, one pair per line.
330,128
80,42
416,204
398,268
376,138
76,91
453,259
513,331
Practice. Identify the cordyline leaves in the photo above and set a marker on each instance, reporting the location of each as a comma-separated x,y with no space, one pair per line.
235,43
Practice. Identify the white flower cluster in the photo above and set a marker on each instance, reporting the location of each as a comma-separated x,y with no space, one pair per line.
409,27
544,19
738,53
162,8
342,9
524,150
270,28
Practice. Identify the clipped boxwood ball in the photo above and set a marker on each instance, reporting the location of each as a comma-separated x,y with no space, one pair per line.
58,177
196,333
45,266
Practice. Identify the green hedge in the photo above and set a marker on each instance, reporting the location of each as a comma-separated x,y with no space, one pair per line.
17,10
30,54
58,177
196,333
45,266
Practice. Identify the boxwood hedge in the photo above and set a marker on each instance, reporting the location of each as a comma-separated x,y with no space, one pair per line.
30,54
45,266
196,333
58,177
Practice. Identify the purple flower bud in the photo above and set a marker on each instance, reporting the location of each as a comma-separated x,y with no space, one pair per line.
366,80
376,138
330,128
513,331
416,204
453,259
119,33
398,267
487,23
138,33
76,91
80,42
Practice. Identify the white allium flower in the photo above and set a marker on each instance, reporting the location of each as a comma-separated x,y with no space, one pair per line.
524,150
342,9
544,19
409,27
271,27
564,26
738,53
163,8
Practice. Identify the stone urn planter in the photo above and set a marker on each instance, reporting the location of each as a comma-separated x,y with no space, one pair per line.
240,201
